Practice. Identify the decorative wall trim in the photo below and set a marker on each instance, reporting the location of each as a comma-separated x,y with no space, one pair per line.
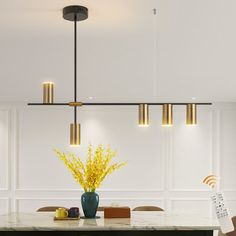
219,161
8,207
9,149
7,187
16,150
229,190
189,199
18,199
192,199
16,161
76,198
81,190
171,157
189,190
216,144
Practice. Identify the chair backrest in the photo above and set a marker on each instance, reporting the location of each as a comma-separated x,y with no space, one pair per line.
101,208
49,208
234,232
147,208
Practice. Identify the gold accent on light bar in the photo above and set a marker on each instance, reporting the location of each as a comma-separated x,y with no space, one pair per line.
167,115
74,134
143,115
191,114
75,104
48,92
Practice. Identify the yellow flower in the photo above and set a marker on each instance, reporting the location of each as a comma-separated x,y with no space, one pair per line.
96,167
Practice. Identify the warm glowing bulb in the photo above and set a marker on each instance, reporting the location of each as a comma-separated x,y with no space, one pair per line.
48,82
143,125
167,125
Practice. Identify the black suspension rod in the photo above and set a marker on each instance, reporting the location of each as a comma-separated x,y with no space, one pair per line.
75,68
75,60
136,104
122,104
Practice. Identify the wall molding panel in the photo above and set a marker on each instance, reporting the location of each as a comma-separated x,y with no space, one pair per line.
5,147
206,210
5,205
166,170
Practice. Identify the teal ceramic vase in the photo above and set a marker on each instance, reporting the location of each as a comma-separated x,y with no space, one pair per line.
89,202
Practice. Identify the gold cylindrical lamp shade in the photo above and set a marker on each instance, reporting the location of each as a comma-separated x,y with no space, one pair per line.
167,115
48,88
143,115
74,134
191,114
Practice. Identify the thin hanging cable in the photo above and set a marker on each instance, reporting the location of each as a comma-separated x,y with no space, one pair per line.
154,55
75,68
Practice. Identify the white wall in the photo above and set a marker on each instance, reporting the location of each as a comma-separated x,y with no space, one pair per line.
165,165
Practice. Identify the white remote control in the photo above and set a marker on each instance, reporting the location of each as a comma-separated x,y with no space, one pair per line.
222,212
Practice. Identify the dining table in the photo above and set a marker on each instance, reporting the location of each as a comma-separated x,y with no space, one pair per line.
139,224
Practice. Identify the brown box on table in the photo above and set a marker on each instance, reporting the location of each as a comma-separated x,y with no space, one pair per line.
116,212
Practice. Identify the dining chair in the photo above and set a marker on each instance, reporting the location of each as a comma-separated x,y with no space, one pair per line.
231,233
147,208
49,208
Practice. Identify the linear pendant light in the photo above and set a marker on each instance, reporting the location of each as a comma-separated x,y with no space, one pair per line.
191,114
74,134
77,13
48,88
167,115
143,115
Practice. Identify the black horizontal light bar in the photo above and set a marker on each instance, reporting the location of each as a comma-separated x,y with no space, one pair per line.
119,104
48,104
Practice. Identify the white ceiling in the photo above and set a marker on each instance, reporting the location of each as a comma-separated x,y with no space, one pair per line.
195,50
